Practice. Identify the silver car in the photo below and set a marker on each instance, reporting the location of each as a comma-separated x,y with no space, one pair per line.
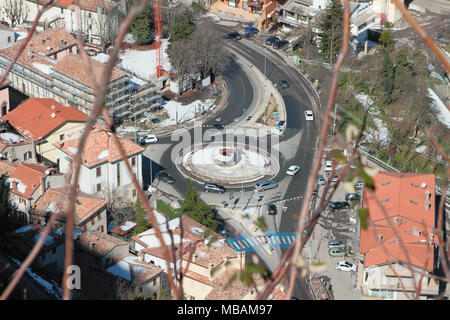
266,185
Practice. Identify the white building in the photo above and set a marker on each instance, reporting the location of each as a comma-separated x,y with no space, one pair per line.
7,36
99,18
102,171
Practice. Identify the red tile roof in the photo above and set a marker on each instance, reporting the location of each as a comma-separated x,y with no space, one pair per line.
73,66
37,51
36,118
401,199
7,168
28,177
100,145
85,207
103,243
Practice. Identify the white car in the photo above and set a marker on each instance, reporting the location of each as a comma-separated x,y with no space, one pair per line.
328,166
309,115
345,266
292,170
150,138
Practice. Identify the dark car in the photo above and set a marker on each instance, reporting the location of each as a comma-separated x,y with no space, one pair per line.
233,35
338,205
214,187
280,44
217,126
155,120
3,22
352,197
270,40
164,176
250,30
284,84
271,209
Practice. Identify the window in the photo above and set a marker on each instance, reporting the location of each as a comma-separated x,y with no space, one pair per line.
62,10
99,187
133,161
84,227
9,39
134,193
385,183
61,137
414,185
101,228
99,217
27,155
24,202
414,202
92,220
99,171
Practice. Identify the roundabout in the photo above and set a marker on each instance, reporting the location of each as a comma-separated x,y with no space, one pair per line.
229,164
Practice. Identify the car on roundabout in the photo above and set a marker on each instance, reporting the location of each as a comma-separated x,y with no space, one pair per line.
214,187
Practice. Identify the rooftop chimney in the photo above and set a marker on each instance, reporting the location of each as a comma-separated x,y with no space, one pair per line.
210,269
42,185
62,43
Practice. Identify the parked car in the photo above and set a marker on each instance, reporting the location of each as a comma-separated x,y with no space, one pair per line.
359,185
334,179
280,44
165,177
352,197
214,187
266,185
309,115
250,30
320,180
292,170
336,244
155,120
283,84
233,35
338,205
270,40
346,266
328,166
150,138
271,209
337,252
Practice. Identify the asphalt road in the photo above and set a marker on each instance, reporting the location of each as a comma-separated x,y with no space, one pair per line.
299,138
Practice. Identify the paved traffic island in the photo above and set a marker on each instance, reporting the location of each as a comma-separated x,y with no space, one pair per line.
228,164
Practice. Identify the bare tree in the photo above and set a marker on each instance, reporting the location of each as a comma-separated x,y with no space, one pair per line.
16,11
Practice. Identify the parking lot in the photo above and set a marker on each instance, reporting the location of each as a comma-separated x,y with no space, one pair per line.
341,225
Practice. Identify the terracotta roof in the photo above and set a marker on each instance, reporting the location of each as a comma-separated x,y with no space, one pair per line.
34,119
103,243
11,139
7,168
72,66
224,288
100,145
400,198
89,5
124,228
85,207
37,50
28,178
214,253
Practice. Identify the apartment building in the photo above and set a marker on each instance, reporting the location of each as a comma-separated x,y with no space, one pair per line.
51,68
7,36
89,214
28,183
99,23
403,212
102,170
14,147
44,122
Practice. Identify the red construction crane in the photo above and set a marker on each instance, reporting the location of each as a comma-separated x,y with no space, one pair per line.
158,37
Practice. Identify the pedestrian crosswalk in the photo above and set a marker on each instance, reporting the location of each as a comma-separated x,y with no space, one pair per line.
271,240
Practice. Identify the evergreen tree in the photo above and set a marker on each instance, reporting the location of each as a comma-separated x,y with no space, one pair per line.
331,26
385,38
141,218
388,75
181,31
142,27
196,209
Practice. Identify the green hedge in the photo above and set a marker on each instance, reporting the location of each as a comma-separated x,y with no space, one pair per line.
166,209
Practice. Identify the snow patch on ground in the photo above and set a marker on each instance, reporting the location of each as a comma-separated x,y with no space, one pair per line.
101,57
443,115
185,112
120,269
104,154
143,63
421,149
129,38
43,68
